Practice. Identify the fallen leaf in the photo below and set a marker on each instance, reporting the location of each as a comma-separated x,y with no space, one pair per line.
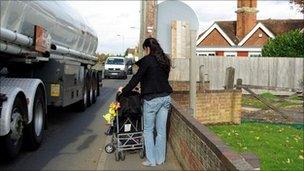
301,157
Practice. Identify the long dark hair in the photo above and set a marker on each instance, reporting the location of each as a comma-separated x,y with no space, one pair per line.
158,52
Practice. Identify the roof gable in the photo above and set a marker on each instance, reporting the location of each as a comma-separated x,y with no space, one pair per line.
208,31
258,26
276,27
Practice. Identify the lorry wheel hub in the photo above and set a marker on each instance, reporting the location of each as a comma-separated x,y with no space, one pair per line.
85,97
91,94
38,118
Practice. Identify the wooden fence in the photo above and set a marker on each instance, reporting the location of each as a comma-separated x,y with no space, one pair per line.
256,71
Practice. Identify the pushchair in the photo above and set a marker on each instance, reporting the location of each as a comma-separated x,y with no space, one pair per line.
128,127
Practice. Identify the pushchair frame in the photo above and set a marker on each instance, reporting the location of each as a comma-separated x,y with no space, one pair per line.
122,141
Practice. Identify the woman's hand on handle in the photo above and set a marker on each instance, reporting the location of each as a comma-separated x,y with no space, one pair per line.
120,89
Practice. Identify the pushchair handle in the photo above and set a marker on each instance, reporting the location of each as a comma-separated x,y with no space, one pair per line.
118,94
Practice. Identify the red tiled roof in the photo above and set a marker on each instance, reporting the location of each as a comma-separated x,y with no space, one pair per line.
277,27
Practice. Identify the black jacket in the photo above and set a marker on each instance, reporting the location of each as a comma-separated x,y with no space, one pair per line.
152,77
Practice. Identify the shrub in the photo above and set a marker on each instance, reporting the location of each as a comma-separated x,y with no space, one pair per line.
290,44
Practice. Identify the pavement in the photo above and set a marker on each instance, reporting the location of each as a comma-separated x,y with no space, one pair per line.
76,140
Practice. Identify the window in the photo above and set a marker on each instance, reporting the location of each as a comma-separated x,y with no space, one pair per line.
254,54
230,54
115,61
206,54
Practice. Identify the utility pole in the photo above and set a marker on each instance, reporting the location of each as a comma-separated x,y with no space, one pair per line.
148,21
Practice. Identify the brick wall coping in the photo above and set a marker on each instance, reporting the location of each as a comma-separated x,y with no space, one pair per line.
209,91
174,81
231,159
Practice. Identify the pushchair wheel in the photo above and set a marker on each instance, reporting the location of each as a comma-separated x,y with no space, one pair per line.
109,148
142,153
117,156
122,155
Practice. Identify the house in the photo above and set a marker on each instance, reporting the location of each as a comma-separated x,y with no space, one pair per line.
244,37
131,52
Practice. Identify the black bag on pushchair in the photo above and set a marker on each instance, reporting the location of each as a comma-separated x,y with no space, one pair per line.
130,104
130,108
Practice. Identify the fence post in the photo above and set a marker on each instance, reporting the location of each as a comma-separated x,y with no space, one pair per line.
239,83
193,70
229,79
201,77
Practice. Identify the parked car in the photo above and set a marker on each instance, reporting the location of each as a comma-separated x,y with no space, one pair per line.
115,67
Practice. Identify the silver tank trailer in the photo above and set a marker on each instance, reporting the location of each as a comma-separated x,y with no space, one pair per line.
66,27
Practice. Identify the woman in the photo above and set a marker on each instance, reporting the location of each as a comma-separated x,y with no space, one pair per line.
153,75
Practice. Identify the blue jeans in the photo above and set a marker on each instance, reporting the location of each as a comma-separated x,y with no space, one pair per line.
155,114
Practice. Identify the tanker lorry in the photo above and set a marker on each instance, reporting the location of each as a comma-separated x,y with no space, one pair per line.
46,53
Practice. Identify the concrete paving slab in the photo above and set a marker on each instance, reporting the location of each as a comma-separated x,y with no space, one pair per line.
133,162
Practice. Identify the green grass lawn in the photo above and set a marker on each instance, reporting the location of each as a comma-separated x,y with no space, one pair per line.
276,101
279,147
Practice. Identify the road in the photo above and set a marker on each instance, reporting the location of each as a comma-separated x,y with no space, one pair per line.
74,140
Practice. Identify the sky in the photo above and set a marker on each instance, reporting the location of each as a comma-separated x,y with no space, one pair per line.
117,22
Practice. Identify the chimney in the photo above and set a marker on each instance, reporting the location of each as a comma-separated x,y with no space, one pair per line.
246,17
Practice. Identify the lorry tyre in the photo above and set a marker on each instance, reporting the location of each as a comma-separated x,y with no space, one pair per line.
95,86
88,89
11,143
83,103
34,132
98,84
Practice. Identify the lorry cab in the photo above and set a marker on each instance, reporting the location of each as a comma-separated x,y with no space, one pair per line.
115,67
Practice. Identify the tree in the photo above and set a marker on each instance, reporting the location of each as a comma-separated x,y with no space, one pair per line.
299,3
290,44
102,57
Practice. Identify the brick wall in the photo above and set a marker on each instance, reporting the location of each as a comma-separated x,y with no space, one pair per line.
214,39
196,148
185,85
213,106
259,38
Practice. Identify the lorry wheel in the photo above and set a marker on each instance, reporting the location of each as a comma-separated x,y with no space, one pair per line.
98,85
83,103
91,95
34,132
89,92
11,143
94,85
